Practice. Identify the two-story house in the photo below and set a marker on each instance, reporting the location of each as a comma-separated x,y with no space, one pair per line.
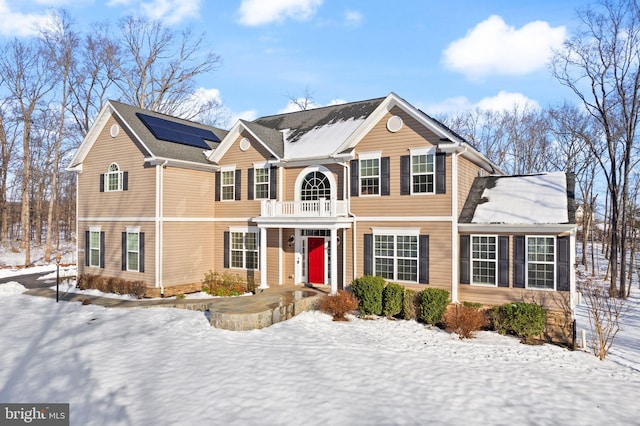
319,197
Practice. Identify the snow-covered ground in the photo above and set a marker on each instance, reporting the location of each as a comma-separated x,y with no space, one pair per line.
169,367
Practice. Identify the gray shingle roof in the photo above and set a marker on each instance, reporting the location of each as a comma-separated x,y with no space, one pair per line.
164,149
271,137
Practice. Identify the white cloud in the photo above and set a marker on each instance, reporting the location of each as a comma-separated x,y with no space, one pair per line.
22,24
353,18
494,48
503,101
169,12
261,12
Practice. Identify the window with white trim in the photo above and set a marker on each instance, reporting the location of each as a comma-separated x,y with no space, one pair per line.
113,178
484,259
541,262
369,175
94,248
133,251
422,173
244,250
228,185
261,182
396,257
315,185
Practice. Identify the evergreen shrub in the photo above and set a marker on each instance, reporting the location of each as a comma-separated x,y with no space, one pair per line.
525,320
392,299
433,304
368,291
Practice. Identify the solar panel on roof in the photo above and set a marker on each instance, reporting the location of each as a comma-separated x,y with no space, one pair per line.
171,131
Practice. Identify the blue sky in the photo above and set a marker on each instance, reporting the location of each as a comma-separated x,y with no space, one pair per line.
442,56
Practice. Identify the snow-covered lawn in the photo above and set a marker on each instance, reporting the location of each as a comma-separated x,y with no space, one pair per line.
169,367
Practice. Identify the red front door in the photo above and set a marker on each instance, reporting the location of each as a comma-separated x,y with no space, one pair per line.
316,260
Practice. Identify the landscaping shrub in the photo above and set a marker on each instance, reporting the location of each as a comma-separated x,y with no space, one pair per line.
225,284
368,291
392,299
338,305
464,320
111,285
525,320
409,302
433,304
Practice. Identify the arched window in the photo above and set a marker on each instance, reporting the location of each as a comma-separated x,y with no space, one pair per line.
315,185
113,178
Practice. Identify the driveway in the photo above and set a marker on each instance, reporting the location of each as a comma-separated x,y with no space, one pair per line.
31,280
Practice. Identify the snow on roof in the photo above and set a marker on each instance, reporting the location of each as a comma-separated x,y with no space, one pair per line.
321,141
535,199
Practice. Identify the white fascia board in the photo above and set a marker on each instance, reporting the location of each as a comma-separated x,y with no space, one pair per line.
515,228
91,137
231,137
155,161
146,148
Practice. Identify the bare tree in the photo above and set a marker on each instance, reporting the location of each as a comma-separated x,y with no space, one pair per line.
601,65
303,102
28,78
155,68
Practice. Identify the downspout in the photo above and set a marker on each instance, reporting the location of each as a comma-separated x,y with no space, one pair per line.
347,195
454,228
159,223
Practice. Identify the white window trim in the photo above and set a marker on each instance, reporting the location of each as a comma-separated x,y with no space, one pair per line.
98,230
422,151
107,176
232,170
554,263
495,261
398,232
244,230
374,155
256,167
133,230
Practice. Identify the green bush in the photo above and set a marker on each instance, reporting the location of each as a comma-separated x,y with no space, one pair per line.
525,320
225,284
392,299
409,305
368,291
433,304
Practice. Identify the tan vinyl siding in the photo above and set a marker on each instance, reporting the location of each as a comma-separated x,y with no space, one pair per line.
113,251
395,145
243,160
288,258
467,172
138,200
439,250
188,252
188,193
291,175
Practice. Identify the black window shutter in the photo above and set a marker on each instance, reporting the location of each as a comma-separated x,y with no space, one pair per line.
226,249
273,183
465,259
102,249
218,185
519,261
405,175
250,184
385,180
101,182
238,179
424,259
124,251
368,255
563,255
355,178
87,247
503,261
441,173
125,181
141,252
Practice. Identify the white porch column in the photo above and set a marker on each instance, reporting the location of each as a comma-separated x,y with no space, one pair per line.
263,258
333,244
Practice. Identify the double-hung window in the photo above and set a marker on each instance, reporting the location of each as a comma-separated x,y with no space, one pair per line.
396,256
484,257
244,249
541,262
422,171
261,182
369,164
228,184
113,178
94,247
133,250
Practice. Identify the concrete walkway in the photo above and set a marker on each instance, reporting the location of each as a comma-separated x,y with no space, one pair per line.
260,310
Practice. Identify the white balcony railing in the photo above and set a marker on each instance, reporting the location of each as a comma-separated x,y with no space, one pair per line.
316,208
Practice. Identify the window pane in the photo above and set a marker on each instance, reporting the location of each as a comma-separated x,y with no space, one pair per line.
94,240
407,246
250,241
261,183
384,267
132,261
407,270
315,186
132,241
541,275
384,245
370,176
236,241
236,259
422,174
252,260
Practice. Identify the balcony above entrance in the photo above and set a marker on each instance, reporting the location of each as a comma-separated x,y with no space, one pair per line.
299,209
